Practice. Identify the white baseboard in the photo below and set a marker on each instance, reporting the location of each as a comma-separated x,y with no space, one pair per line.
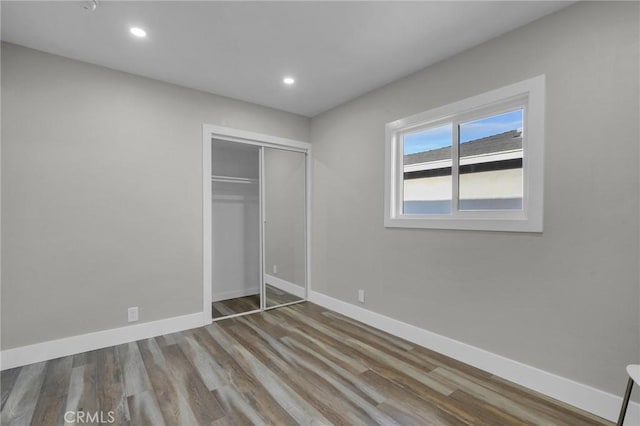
233,294
579,395
283,285
52,349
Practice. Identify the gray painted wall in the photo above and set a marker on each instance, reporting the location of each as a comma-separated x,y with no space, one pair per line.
285,180
566,301
101,194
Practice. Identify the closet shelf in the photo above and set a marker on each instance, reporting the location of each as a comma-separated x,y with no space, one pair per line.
232,179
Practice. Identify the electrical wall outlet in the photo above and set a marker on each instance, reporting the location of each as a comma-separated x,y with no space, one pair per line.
361,296
275,269
132,314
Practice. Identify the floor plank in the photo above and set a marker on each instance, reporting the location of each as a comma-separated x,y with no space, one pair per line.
110,386
136,379
203,403
335,403
173,404
300,410
408,407
21,402
299,364
144,409
248,386
238,411
82,395
7,380
53,396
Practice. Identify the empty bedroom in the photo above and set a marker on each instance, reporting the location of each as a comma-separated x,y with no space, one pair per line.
320,212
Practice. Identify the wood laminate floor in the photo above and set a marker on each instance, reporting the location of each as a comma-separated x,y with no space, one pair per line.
238,305
299,364
276,297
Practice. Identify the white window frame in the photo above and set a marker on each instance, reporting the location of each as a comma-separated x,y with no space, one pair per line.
529,94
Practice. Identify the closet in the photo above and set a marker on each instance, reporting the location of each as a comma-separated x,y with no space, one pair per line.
235,211
256,227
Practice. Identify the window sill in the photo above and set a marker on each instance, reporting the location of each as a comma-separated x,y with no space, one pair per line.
463,223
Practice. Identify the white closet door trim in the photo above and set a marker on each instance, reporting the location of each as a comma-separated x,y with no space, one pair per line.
252,138
263,218
307,288
207,228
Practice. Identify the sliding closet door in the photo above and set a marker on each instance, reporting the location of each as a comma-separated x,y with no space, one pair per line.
284,226
235,211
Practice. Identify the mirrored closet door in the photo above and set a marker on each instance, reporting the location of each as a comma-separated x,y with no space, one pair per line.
256,230
284,212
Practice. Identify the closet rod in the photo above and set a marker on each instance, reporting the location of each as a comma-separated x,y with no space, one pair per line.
233,179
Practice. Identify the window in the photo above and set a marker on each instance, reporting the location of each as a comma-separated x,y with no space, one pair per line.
474,164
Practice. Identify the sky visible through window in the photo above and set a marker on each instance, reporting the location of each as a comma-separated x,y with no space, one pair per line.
440,137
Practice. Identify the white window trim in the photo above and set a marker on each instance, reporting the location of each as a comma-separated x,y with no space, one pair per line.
531,94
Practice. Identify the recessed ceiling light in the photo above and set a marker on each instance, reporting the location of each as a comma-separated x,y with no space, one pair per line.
138,32
91,6
288,81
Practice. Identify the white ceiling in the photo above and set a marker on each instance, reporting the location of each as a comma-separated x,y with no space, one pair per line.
336,50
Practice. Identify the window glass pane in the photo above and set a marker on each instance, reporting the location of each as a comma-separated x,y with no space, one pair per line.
491,162
427,171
